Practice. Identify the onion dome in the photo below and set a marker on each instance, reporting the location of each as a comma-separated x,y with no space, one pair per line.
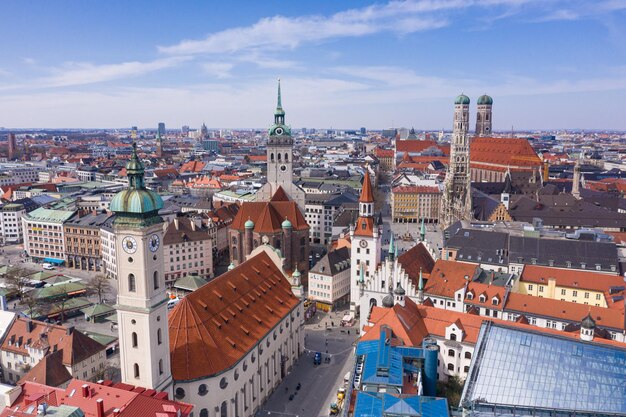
588,322
485,99
231,266
462,99
286,224
249,224
399,290
388,301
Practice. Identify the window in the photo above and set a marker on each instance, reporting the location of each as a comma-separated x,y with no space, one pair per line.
160,366
466,369
204,413
179,393
159,336
134,339
155,278
451,353
136,366
223,383
224,407
597,296
450,367
452,336
575,293
530,288
586,295
202,390
541,288
132,285
468,355
563,292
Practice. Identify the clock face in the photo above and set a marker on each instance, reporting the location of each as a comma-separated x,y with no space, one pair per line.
154,243
129,244
363,244
279,131
283,168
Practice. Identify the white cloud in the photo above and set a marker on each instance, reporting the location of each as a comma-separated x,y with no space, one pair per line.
218,69
81,73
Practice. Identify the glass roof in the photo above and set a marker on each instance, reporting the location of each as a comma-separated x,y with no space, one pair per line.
541,371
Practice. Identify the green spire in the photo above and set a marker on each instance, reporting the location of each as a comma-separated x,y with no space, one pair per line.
391,246
420,285
279,105
422,231
361,275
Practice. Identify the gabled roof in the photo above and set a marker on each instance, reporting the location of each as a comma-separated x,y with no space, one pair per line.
415,258
589,280
280,195
49,371
417,146
268,216
507,152
447,277
212,328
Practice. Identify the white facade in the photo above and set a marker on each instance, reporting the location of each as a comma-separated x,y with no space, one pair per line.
43,234
329,288
11,223
142,307
107,249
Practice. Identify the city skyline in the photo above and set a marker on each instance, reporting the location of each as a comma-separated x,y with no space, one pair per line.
548,66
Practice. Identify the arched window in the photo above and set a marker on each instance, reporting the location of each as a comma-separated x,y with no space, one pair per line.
272,157
450,367
132,285
159,341
224,410
234,253
451,352
286,158
452,336
204,413
278,155
155,278
277,244
468,355
134,339
136,366
160,366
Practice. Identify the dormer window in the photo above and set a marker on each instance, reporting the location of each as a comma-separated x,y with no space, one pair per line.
482,298
470,296
568,264
495,301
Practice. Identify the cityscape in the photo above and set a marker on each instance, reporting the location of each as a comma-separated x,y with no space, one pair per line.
304,210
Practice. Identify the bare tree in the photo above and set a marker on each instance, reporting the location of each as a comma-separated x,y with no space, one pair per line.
16,280
32,304
99,285
58,302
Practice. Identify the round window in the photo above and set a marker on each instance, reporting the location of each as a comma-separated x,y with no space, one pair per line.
179,393
202,390
130,260
133,321
223,383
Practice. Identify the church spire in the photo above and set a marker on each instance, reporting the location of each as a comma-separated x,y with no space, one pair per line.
422,231
420,289
279,114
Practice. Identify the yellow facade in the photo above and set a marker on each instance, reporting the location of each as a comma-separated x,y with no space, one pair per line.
557,292
413,206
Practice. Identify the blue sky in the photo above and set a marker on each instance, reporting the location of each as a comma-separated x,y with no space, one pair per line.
343,64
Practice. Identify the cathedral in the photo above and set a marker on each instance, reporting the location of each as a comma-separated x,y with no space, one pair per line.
280,160
456,203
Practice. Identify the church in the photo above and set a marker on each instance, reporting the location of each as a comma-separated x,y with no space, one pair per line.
280,160
223,348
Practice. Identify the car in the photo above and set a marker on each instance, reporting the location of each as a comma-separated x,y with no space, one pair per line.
48,267
318,358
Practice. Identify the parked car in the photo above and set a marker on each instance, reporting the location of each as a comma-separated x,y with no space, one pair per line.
318,358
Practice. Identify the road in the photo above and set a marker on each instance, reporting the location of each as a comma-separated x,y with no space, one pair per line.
318,383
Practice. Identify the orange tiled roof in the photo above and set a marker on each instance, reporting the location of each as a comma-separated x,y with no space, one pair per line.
589,280
416,146
447,277
257,158
367,196
192,166
280,195
383,153
416,189
214,327
513,152
364,226
269,216
415,258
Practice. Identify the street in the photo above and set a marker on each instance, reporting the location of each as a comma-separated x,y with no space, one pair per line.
319,383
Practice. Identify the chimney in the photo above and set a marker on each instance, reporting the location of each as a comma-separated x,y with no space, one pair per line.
99,407
85,390
69,330
116,412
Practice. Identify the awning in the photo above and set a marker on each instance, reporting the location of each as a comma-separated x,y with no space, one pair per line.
54,261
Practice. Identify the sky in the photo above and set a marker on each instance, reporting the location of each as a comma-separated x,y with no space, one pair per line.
548,64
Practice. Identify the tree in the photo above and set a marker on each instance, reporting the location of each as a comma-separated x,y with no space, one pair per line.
98,285
109,372
16,280
32,304
452,390
57,302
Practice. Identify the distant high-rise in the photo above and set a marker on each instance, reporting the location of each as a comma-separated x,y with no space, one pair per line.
185,130
12,147
483,118
161,129
363,130
133,132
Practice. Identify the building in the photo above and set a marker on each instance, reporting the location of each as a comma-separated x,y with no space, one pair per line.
329,280
85,399
159,144
320,211
366,236
456,203
141,298
11,214
411,204
280,160
107,248
279,223
12,151
187,249
83,243
544,372
43,231
161,129
233,340
27,342
492,158
484,118
386,158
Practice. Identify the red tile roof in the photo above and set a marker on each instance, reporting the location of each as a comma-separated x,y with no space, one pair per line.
588,280
367,196
416,189
416,258
513,152
280,195
214,327
383,153
447,277
192,166
269,216
416,146
49,371
364,226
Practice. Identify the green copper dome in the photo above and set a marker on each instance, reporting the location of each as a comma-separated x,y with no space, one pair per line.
462,99
279,128
286,224
136,201
485,99
249,224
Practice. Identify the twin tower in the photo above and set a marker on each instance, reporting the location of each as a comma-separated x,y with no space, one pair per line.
483,118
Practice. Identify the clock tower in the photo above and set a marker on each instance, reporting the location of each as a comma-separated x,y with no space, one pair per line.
141,299
366,244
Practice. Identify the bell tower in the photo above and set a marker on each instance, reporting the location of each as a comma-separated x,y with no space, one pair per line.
484,116
141,300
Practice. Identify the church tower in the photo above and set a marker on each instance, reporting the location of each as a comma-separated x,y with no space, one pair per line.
159,145
141,299
366,244
456,203
280,159
483,117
